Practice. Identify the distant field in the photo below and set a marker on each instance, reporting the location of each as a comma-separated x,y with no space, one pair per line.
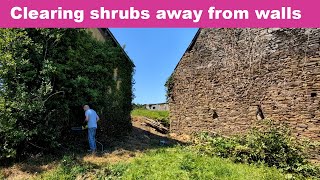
162,116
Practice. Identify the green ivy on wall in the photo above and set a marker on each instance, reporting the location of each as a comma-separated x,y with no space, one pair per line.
47,75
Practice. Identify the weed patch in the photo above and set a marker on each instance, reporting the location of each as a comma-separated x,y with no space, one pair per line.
272,146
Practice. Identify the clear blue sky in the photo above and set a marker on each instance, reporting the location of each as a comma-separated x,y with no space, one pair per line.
155,53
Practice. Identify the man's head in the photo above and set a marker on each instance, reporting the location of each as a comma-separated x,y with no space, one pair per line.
86,107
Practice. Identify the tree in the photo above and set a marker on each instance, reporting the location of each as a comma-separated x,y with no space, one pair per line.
169,85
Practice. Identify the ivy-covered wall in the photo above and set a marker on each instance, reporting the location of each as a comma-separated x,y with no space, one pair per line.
47,75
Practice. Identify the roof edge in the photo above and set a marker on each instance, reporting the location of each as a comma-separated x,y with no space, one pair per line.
192,43
156,103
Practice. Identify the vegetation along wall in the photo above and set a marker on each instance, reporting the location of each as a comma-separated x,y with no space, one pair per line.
48,74
227,75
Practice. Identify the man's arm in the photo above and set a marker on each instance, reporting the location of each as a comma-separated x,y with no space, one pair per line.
98,118
87,116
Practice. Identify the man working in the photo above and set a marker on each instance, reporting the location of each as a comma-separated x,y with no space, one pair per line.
91,118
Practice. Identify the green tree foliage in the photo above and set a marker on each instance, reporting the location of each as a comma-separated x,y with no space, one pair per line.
138,106
168,86
47,75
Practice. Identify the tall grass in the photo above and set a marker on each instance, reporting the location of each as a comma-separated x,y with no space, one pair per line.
181,163
162,116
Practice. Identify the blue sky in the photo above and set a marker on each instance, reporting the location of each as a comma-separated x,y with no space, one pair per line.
155,52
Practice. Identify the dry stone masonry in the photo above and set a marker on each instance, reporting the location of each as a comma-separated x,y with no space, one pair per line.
227,74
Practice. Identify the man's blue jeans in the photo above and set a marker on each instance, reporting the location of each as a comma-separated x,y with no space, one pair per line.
92,138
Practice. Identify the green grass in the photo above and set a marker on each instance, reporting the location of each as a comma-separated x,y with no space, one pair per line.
1,176
69,168
172,163
181,163
162,116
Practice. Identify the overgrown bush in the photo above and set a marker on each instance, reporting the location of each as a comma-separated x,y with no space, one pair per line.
46,75
272,145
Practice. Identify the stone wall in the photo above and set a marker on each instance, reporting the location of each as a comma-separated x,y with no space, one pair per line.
218,84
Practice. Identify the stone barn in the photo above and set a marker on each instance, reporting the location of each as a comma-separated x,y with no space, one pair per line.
226,76
158,107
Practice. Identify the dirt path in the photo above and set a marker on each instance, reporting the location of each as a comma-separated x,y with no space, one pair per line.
142,138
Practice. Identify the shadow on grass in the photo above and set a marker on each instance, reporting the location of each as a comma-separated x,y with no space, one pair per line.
139,140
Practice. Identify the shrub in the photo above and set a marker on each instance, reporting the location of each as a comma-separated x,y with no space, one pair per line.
272,145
